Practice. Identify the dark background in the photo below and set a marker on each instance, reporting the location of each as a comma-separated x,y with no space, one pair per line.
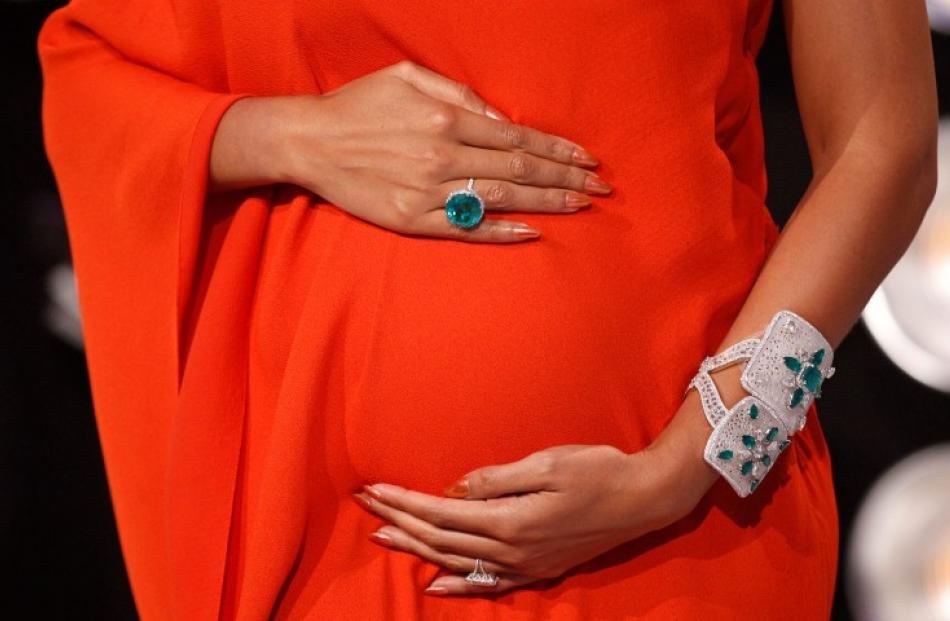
56,524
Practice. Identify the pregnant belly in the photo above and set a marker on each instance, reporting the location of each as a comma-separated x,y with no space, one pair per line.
482,354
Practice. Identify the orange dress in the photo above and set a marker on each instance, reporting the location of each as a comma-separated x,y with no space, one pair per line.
256,356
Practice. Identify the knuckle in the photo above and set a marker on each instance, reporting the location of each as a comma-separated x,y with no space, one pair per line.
432,537
466,94
509,531
404,67
499,195
402,215
561,151
437,516
441,118
482,480
519,166
554,199
514,136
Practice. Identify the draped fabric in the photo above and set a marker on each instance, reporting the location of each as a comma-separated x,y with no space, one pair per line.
256,355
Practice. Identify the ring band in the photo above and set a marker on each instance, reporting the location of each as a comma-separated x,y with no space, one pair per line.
465,208
481,577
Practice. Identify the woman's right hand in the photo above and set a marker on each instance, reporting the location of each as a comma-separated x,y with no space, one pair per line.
388,148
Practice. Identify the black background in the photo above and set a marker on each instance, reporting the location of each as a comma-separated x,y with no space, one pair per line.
56,524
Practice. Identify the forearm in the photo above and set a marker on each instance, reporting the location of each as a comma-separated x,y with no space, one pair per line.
854,222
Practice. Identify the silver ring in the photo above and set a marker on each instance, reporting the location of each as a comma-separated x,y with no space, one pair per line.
481,577
465,208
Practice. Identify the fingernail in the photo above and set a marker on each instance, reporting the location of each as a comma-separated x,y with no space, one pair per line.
372,491
363,500
583,157
576,200
496,114
525,232
381,538
458,489
596,184
436,590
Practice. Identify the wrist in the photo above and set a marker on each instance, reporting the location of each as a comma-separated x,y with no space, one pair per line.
254,143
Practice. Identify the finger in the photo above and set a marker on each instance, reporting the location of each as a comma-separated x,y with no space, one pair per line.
445,89
456,585
478,131
435,224
502,195
447,541
397,539
523,168
477,517
531,474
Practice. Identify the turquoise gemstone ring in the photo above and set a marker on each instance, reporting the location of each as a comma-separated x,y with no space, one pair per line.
465,208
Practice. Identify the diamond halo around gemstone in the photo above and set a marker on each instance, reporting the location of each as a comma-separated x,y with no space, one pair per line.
465,208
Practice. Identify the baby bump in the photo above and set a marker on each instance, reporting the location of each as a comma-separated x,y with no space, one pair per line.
482,354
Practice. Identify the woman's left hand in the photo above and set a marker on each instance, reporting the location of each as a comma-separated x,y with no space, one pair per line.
539,517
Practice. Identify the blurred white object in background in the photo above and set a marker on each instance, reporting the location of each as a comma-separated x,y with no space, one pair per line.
899,552
62,312
939,12
909,314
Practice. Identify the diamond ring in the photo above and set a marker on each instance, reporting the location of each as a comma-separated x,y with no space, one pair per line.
481,577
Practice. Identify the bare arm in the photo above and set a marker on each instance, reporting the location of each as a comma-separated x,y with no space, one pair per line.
864,79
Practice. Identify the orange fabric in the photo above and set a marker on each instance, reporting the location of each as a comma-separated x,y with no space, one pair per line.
256,356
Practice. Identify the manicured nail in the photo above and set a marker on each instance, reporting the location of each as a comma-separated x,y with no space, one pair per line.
576,200
459,489
363,500
594,183
372,491
583,157
436,590
523,231
381,538
496,114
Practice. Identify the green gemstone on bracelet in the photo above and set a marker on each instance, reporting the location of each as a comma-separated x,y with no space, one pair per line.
749,441
766,460
754,484
726,455
746,467
771,434
818,356
793,363
797,397
754,412
784,444
812,378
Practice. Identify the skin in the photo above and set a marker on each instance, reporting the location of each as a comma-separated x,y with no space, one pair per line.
865,83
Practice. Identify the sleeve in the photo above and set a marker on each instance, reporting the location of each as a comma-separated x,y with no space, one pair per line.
131,101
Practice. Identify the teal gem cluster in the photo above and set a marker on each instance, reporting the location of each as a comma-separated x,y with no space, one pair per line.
755,456
464,208
807,376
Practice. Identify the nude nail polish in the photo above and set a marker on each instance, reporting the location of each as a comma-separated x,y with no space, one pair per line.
594,183
459,489
582,157
576,200
363,500
525,232
436,590
372,491
381,538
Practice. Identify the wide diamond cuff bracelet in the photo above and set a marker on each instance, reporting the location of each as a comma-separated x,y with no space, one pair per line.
784,373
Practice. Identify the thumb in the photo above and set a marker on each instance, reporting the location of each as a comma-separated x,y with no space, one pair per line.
444,89
530,474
